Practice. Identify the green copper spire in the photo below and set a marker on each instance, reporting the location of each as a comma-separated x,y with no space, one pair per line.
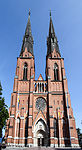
28,39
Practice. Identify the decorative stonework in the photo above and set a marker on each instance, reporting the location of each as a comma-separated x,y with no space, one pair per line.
40,104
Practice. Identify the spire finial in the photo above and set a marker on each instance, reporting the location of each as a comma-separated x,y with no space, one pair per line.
29,12
50,12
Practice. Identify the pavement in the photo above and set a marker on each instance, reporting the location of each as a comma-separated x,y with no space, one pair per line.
40,148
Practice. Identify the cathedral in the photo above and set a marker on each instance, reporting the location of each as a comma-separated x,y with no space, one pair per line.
40,113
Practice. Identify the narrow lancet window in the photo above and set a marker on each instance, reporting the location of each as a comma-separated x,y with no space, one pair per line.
55,129
12,100
25,72
56,72
26,130
18,127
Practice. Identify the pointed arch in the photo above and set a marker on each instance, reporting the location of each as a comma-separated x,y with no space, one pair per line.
40,133
55,127
25,71
56,72
18,127
42,87
64,127
40,120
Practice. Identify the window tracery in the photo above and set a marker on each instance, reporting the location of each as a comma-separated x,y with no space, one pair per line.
40,103
25,72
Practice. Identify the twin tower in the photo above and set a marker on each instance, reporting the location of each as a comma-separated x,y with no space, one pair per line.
40,113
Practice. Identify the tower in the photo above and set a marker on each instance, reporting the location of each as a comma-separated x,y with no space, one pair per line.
63,133
40,113
19,124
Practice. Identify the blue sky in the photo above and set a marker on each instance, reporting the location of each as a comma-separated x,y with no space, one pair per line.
67,20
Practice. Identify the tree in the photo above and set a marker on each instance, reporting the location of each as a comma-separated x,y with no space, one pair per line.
3,111
79,136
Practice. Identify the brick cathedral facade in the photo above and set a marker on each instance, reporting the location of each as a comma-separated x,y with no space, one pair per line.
40,113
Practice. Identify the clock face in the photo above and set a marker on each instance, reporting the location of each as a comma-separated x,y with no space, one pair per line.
40,103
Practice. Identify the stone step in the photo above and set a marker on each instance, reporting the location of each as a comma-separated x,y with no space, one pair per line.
40,148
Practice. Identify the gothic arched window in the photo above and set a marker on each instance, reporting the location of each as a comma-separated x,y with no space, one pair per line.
12,100
64,127
18,127
42,87
25,72
55,127
26,130
56,72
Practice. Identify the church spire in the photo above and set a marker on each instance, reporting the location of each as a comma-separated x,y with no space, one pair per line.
52,42
28,39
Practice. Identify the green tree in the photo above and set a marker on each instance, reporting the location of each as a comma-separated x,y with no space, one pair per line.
3,111
79,136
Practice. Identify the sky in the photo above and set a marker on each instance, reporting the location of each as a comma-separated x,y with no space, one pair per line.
67,20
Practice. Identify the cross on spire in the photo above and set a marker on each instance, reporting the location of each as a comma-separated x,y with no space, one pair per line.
29,12
50,12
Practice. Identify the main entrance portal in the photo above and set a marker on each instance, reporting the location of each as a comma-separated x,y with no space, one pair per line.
40,134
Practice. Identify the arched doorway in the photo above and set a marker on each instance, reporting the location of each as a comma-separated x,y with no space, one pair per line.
40,133
40,138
